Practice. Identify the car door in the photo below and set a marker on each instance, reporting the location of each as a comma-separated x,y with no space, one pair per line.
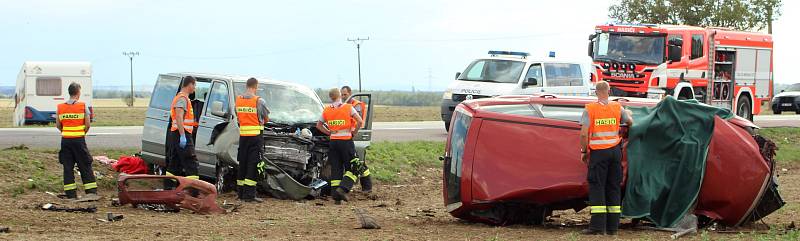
156,122
534,72
206,153
364,136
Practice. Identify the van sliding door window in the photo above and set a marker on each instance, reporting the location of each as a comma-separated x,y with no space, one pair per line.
48,86
563,75
165,90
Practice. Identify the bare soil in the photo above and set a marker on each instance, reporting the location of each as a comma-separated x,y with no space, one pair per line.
410,210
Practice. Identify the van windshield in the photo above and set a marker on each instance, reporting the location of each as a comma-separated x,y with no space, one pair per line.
288,105
493,70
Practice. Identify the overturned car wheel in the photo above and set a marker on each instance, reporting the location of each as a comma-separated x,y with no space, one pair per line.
225,180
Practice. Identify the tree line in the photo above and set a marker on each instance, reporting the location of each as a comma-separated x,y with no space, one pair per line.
396,98
742,15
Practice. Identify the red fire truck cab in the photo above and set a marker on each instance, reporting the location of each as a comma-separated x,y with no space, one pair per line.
719,67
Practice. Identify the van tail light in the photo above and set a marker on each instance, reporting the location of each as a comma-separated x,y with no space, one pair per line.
28,113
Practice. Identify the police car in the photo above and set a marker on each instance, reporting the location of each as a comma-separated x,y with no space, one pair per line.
517,73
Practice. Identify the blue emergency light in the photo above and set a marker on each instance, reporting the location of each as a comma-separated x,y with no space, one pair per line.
498,52
552,54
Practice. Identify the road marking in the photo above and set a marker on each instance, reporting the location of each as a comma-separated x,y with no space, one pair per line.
104,134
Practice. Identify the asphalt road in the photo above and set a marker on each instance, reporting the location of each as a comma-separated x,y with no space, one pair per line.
131,136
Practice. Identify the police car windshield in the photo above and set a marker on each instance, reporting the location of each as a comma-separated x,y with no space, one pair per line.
629,48
493,70
288,105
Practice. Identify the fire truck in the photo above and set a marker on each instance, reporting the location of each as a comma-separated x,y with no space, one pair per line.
720,67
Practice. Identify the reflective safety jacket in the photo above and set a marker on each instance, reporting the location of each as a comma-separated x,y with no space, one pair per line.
72,118
339,121
188,114
247,113
604,121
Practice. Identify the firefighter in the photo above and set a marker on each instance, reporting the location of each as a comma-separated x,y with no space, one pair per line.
73,121
601,150
341,122
181,158
252,112
364,176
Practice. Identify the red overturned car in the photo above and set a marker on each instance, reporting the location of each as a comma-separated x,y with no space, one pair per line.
516,159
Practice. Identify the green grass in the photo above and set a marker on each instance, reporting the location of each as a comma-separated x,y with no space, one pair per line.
788,141
38,170
389,161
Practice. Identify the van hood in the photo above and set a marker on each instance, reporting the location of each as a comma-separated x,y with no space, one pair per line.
788,94
481,88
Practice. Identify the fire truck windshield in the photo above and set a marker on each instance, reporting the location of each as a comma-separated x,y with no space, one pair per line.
493,70
629,48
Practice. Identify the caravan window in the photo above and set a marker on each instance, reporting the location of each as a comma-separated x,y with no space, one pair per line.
48,86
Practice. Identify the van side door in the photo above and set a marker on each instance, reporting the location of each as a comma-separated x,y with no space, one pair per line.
156,122
364,136
220,93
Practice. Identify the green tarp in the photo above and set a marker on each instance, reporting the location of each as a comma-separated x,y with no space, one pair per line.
666,154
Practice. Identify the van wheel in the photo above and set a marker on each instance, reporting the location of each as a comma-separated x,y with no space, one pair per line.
743,108
225,180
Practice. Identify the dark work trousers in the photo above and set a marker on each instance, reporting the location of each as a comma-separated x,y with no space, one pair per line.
181,161
340,153
605,175
74,152
250,149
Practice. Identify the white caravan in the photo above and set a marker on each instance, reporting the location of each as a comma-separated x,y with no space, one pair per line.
41,86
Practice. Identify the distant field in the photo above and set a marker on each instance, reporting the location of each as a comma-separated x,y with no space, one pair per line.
112,112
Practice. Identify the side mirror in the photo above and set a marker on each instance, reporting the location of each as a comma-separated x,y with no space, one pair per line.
674,53
592,36
531,81
458,74
217,109
591,49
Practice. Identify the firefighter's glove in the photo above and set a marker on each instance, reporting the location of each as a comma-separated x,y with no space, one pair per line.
182,142
358,166
261,167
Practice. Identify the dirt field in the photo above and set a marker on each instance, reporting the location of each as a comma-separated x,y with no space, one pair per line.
411,209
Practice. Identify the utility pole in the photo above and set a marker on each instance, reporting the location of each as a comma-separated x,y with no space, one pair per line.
358,41
130,55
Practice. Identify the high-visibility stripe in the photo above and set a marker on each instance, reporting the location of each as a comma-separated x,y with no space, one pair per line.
250,128
73,128
336,183
249,132
605,134
170,174
239,182
68,187
248,182
193,177
90,185
73,133
366,173
614,209
599,209
342,133
350,175
606,141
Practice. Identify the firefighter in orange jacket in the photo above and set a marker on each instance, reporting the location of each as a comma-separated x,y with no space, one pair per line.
181,158
364,177
252,113
73,118
601,140
341,122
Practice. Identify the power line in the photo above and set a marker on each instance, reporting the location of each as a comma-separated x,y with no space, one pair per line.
275,52
477,39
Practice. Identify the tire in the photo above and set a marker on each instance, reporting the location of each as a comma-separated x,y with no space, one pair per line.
225,178
743,108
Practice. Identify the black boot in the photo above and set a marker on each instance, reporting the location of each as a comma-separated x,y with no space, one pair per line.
366,184
339,195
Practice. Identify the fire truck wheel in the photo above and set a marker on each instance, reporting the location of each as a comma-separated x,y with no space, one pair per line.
743,108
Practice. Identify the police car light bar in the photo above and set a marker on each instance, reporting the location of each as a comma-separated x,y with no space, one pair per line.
496,52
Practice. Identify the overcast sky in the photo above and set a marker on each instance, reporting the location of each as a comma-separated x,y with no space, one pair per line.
411,42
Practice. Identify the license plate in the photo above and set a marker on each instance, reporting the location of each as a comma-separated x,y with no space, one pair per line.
786,104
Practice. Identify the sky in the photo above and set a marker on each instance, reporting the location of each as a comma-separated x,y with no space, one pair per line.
417,44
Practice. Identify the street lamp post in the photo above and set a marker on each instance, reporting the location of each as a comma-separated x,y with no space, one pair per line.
358,42
130,55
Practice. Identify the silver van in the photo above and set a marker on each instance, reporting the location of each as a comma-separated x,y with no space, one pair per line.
295,160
